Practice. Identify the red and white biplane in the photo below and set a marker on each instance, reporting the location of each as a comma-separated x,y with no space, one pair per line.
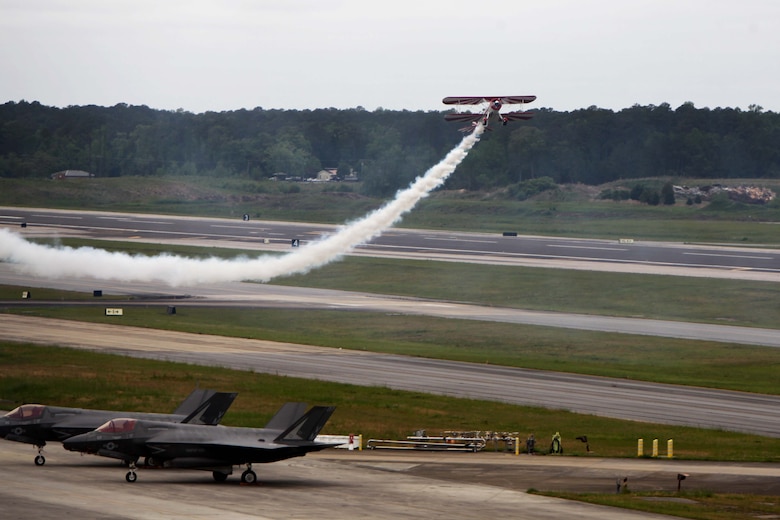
494,106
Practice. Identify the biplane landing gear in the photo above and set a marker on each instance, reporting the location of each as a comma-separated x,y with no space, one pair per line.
131,476
40,460
249,476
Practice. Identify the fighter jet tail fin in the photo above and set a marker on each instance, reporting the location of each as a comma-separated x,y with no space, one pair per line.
193,401
286,416
308,426
212,410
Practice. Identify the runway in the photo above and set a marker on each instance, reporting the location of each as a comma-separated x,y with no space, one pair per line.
617,398
627,255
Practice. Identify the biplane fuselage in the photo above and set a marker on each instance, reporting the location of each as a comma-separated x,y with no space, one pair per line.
494,105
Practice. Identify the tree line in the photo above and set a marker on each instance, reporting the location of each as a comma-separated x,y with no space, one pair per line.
387,149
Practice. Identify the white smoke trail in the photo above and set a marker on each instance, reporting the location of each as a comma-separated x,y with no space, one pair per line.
58,262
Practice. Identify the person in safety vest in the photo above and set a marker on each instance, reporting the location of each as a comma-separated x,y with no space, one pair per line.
556,446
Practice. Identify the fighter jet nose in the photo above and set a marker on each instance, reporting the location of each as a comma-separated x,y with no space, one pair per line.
75,444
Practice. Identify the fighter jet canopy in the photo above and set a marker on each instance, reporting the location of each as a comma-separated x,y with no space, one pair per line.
26,411
117,426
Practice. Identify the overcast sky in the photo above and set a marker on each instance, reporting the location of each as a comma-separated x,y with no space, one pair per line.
203,55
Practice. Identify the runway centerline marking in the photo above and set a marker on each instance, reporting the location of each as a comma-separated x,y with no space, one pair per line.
588,247
730,256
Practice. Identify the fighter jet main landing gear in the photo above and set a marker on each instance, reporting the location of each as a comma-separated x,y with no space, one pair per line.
248,476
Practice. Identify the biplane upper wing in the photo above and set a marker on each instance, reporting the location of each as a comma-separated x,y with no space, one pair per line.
517,116
463,100
463,117
516,100
476,100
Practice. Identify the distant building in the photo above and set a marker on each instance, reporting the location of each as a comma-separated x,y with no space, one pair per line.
71,174
332,174
326,175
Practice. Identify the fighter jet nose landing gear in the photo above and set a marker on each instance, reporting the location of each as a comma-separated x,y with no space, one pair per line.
131,476
40,460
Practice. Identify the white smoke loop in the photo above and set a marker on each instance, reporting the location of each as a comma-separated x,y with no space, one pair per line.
58,262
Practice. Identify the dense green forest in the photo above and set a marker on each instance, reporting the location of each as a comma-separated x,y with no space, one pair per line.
387,149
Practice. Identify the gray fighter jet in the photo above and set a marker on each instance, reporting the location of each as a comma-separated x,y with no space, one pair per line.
38,424
216,449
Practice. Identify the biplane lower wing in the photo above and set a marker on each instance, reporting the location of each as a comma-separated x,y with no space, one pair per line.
463,117
517,116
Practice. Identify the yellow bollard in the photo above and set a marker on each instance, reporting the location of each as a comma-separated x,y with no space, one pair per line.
640,448
517,445
655,447
670,448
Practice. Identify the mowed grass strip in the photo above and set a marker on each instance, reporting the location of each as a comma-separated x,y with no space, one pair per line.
647,358
70,377
698,505
676,298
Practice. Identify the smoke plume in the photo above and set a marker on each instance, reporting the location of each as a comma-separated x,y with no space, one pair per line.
58,262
